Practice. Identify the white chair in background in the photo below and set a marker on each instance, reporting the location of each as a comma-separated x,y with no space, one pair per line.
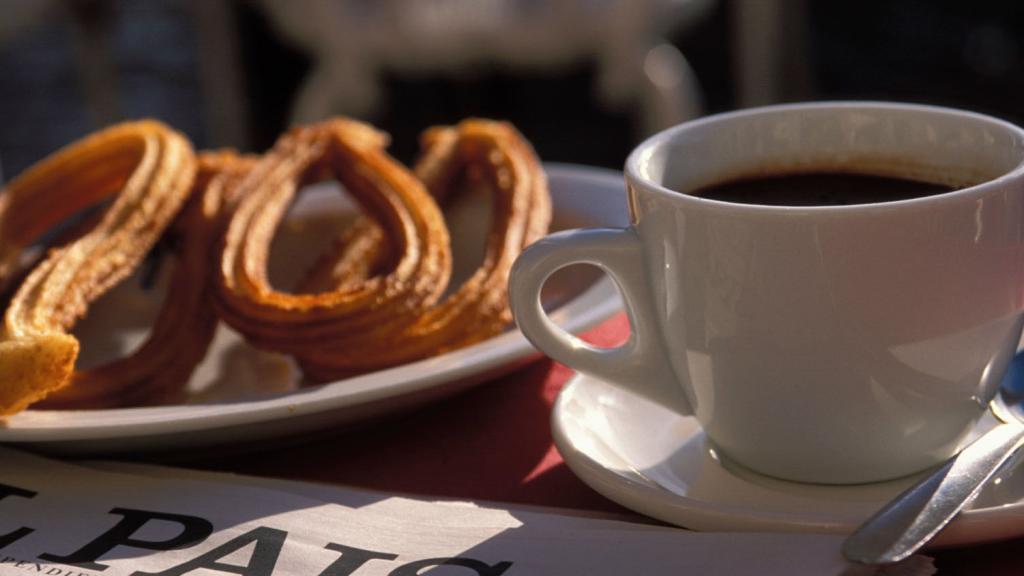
353,42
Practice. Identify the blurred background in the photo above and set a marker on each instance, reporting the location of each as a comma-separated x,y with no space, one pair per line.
583,79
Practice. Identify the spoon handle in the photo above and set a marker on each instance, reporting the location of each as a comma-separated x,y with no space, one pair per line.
915,516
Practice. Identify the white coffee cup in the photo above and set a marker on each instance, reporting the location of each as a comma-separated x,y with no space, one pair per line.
834,344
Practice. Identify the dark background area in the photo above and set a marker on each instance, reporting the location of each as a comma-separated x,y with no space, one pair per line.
963,54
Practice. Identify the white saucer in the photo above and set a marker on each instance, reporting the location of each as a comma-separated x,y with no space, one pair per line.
658,463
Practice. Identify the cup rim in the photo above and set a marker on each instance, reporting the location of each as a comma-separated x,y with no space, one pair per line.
643,150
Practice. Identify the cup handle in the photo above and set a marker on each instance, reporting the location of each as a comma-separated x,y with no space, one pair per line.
641,364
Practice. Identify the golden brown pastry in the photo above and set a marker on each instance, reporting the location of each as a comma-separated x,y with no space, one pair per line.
372,301
147,169
158,371
475,152
370,308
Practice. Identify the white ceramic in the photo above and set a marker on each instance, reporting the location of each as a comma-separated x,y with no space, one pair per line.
659,463
245,398
835,344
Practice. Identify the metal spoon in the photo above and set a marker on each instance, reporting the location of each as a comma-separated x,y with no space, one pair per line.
907,523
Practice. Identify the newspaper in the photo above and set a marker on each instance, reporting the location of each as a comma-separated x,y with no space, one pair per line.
112,519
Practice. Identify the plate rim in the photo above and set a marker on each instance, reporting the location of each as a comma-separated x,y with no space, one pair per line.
591,307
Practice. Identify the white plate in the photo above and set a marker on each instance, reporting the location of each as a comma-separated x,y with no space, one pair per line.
230,399
656,462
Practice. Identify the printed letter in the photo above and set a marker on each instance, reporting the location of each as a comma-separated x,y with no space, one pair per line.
18,533
413,568
264,557
193,531
352,559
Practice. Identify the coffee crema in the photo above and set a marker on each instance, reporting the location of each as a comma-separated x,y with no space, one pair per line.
819,189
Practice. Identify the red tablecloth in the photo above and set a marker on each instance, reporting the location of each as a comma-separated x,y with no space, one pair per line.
494,443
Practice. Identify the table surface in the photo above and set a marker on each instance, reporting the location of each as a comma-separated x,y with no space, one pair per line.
494,443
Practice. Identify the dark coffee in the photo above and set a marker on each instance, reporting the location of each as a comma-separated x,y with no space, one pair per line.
819,189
